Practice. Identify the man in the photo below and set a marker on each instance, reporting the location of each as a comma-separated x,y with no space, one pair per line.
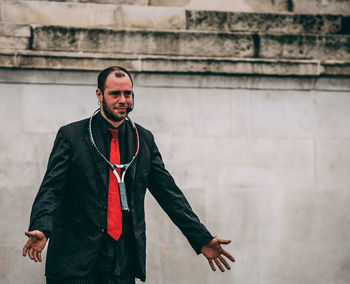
96,234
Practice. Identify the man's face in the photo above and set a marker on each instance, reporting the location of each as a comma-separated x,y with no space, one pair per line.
116,98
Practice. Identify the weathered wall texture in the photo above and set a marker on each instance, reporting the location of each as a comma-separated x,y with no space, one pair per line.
264,161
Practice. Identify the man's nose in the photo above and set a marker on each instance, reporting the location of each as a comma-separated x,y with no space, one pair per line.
122,98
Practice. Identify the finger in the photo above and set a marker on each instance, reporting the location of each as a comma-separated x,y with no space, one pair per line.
228,255
225,242
24,251
30,253
39,256
211,264
224,262
218,263
25,248
35,256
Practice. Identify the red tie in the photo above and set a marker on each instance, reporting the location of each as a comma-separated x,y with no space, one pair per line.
114,213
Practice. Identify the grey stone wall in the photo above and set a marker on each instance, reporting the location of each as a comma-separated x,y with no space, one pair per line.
263,160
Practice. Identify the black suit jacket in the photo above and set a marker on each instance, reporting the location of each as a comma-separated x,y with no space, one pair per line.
71,205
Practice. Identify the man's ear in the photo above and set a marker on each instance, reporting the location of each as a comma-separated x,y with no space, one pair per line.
99,95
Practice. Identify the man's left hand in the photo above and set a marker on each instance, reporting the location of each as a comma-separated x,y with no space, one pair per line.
214,253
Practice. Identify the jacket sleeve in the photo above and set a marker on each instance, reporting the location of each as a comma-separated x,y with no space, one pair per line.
51,190
162,186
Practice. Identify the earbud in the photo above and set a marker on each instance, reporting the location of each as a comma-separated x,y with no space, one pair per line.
129,109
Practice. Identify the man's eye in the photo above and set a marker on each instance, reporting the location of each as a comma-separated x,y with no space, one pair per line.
127,93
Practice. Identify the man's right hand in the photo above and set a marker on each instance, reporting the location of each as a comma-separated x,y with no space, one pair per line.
34,245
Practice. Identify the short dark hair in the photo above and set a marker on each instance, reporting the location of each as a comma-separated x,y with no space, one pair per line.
119,72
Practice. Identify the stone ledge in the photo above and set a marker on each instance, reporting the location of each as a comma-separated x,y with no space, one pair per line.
325,6
305,46
170,64
269,23
15,43
260,6
336,68
191,43
88,15
56,13
232,66
14,30
157,18
182,43
171,43
183,80
14,36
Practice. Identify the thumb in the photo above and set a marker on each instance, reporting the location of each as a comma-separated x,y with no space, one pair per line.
30,234
225,242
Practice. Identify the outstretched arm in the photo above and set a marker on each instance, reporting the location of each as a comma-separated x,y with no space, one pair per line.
34,245
48,198
163,187
51,189
214,253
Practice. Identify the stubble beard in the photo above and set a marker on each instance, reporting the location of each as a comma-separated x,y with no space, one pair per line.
109,114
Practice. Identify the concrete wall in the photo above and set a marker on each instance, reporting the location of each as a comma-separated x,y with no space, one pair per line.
264,161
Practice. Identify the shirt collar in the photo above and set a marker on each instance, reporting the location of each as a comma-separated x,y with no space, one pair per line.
105,125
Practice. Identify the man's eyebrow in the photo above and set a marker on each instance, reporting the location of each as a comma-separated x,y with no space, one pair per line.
114,92
119,91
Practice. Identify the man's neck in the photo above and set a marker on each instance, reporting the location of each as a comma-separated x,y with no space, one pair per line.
116,124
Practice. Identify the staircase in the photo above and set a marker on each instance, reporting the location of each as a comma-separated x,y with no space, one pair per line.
144,38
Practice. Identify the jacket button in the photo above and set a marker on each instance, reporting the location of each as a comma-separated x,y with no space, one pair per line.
105,207
102,230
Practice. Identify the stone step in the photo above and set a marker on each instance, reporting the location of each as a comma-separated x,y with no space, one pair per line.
163,18
262,6
14,36
267,23
179,43
49,60
335,47
322,6
189,43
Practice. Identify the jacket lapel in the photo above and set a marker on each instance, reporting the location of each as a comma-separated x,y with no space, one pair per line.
131,147
100,163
